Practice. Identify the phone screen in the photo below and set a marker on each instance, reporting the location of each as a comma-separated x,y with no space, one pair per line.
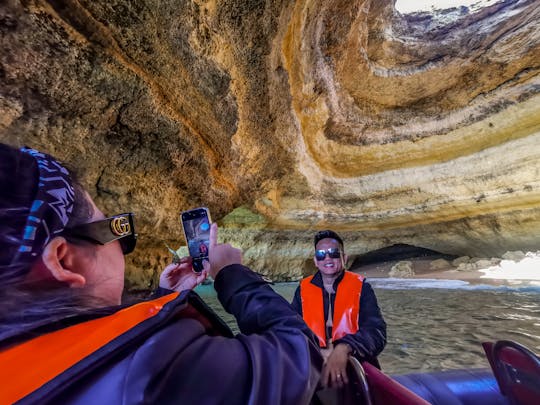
196,224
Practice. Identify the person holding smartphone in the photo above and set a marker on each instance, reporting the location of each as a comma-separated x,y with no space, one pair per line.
66,337
341,309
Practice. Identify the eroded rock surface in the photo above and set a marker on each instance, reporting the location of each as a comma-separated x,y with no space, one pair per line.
421,129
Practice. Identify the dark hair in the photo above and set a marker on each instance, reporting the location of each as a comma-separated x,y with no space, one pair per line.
327,234
18,187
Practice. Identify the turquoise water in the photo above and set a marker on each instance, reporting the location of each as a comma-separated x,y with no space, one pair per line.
439,324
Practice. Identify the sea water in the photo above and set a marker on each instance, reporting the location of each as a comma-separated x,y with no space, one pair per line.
439,324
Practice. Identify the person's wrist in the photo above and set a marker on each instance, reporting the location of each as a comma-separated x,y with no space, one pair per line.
217,275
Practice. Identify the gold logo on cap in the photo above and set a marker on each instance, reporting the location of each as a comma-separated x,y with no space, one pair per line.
120,226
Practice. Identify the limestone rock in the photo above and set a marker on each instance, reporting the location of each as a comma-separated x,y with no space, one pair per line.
516,256
390,128
484,263
466,267
439,264
402,270
461,260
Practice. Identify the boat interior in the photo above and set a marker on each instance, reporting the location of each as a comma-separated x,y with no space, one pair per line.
513,379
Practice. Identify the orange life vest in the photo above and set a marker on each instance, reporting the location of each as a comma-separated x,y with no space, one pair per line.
346,307
26,367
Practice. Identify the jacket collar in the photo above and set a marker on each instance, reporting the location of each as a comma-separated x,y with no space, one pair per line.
317,280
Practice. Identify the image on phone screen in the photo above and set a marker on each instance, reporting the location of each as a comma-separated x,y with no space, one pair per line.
197,230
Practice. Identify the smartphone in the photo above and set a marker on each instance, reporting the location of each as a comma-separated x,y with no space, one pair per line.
196,226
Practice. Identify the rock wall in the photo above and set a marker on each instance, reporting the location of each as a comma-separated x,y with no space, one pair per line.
421,129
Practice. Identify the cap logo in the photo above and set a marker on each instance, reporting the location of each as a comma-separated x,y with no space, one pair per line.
120,226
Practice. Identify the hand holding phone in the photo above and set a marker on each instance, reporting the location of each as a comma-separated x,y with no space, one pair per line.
221,254
180,276
196,226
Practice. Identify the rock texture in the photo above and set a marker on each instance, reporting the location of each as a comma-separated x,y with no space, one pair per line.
286,117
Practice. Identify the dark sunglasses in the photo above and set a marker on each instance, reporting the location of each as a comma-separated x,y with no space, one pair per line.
334,253
120,227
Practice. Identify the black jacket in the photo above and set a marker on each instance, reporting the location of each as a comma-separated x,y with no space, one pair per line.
274,360
370,339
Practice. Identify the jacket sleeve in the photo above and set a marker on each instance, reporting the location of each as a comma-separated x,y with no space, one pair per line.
370,339
274,360
283,356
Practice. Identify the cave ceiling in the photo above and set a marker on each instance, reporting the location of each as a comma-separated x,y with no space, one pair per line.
287,117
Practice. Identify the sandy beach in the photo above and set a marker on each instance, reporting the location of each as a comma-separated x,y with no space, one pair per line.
523,270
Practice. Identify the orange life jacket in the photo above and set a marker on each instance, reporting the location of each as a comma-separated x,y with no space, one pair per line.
346,307
26,367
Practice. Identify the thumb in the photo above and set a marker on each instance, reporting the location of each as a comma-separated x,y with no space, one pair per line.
213,235
201,277
206,266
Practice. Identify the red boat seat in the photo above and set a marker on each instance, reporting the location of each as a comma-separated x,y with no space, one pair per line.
385,390
517,370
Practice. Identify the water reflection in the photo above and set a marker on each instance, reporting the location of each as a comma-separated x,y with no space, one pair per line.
434,328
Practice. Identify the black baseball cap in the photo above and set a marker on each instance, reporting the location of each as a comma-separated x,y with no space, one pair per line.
327,234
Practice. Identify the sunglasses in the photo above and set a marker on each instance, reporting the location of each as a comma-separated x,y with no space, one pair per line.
119,227
334,253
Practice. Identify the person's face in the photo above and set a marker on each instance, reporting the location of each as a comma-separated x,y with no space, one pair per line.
104,267
329,266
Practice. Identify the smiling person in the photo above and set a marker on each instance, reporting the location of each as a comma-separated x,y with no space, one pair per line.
341,309
66,338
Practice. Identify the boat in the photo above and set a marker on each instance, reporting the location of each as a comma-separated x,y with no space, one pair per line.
512,379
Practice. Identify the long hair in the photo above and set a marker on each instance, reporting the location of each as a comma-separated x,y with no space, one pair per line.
23,309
